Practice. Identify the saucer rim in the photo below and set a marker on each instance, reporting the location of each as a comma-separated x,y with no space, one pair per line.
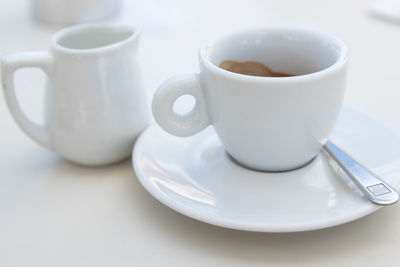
232,224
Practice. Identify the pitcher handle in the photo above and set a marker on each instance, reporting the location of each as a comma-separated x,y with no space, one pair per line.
12,63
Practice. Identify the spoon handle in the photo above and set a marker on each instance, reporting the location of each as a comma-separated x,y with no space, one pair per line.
378,191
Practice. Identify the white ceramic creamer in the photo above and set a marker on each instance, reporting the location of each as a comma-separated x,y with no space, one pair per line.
95,100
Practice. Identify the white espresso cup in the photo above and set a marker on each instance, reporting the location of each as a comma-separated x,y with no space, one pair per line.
264,123
95,102
67,12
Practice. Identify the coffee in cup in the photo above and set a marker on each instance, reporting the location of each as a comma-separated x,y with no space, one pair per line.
264,123
252,68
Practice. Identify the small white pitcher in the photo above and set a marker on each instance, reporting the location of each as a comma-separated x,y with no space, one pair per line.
95,100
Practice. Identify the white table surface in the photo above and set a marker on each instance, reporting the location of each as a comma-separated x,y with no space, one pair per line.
54,213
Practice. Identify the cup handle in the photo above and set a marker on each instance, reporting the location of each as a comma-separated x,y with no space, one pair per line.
10,64
164,99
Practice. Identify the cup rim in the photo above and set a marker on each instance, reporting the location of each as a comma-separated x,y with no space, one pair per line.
208,46
72,29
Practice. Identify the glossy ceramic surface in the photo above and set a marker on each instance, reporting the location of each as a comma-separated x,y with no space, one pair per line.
95,101
265,123
195,177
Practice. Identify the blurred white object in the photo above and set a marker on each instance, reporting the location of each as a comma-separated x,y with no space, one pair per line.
386,9
67,12
157,15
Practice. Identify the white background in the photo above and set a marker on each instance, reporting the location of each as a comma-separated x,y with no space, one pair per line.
54,213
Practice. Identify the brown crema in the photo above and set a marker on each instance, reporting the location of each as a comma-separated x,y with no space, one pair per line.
252,68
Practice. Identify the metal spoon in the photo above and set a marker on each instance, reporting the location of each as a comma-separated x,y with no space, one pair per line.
378,191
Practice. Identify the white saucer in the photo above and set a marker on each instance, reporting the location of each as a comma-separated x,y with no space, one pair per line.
195,177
